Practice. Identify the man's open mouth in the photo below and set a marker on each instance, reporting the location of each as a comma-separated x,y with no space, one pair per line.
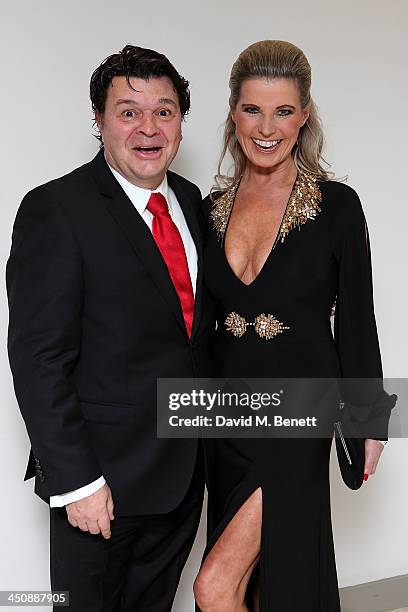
148,149
148,152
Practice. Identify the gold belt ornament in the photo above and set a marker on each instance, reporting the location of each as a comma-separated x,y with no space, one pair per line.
266,325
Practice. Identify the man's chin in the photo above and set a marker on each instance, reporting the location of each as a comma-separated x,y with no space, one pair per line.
147,177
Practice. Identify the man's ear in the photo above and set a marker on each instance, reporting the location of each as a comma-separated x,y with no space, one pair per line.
99,120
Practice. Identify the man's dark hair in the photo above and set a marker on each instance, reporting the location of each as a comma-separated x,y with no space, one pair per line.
140,63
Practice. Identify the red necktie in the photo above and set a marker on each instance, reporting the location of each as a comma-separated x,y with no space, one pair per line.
170,244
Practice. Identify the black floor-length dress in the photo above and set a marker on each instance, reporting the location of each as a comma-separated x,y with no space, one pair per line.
321,256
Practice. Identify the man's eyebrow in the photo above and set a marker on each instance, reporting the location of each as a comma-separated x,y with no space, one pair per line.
124,101
128,101
167,101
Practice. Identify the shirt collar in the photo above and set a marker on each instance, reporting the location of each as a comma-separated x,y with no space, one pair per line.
138,195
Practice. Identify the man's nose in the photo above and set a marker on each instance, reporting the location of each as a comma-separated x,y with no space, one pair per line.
148,125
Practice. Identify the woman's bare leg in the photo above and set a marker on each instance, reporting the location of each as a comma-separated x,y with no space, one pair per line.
223,578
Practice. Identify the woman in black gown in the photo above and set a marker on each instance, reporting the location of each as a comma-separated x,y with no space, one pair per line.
286,241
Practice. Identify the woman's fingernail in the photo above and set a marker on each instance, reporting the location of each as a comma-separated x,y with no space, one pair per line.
365,476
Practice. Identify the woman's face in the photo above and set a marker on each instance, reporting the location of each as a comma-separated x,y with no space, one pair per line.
268,117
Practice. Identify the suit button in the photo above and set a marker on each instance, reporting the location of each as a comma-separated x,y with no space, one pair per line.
38,469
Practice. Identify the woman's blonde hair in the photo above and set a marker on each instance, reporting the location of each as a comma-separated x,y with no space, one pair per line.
275,59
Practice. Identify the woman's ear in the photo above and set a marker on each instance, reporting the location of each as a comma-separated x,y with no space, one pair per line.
306,115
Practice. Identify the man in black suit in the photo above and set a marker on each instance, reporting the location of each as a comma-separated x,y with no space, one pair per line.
105,293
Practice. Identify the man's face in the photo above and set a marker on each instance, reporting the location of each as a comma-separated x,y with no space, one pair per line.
141,128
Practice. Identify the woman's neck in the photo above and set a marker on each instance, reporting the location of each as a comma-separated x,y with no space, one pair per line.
279,176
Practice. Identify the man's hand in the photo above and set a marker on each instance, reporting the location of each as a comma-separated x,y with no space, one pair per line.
93,513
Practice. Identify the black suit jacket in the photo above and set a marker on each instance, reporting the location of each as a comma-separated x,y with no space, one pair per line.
94,321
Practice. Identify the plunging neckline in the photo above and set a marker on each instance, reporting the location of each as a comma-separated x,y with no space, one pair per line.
273,244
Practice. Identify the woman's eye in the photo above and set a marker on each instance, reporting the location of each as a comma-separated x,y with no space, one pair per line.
284,112
251,110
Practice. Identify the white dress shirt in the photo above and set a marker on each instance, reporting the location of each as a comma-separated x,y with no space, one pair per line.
139,198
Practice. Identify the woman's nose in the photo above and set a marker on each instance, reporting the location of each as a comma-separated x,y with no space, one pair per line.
267,127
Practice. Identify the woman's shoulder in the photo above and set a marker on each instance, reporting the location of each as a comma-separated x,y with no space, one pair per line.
340,200
207,206
337,191
212,197
207,203
210,201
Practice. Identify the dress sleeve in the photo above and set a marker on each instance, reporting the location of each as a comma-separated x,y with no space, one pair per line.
355,329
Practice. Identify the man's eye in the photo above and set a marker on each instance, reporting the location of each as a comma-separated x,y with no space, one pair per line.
128,114
164,112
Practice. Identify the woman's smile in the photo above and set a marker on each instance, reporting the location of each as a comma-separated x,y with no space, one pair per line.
266,146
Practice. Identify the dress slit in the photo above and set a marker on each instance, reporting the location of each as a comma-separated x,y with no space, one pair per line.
237,498
296,558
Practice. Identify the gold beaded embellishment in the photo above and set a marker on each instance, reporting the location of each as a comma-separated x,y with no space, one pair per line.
222,210
266,325
303,205
236,324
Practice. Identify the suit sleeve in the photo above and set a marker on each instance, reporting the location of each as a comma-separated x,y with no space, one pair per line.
44,280
355,329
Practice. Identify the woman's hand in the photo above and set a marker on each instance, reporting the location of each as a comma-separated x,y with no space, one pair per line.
373,450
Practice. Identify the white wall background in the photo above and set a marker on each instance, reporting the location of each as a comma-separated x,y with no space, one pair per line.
358,51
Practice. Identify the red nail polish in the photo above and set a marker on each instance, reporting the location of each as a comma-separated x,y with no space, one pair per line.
365,476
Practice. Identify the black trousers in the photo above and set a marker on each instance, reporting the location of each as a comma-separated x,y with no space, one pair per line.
137,570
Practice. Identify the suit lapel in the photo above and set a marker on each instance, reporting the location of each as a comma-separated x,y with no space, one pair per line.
137,233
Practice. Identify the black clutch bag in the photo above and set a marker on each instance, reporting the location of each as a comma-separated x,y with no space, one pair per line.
350,456
351,428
